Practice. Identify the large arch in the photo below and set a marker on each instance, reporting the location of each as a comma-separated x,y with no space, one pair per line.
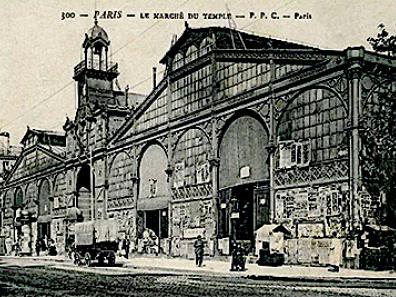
59,191
153,194
317,117
18,198
243,177
83,189
44,210
44,207
190,155
31,199
243,143
120,192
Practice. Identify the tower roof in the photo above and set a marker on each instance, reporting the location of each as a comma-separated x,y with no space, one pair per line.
96,33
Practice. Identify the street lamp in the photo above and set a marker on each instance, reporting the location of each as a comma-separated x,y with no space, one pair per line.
91,120
234,216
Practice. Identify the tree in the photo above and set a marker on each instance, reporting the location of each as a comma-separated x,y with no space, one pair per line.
384,42
379,148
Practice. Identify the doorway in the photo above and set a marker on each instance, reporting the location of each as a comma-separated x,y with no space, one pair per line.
43,229
243,209
242,206
157,220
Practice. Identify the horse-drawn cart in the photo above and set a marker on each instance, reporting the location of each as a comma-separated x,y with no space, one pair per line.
96,241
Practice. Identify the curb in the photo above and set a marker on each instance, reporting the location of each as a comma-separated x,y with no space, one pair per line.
386,282
352,281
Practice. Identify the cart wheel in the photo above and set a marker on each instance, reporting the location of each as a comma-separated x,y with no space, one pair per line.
87,259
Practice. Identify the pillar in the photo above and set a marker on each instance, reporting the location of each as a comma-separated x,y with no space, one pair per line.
354,56
272,144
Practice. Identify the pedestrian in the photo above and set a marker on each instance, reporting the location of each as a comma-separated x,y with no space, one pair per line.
38,246
17,248
199,250
43,244
238,258
52,248
335,253
8,244
126,245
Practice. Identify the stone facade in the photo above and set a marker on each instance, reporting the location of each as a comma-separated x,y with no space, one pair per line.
242,131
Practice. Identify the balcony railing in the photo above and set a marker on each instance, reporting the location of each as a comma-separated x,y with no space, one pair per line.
96,65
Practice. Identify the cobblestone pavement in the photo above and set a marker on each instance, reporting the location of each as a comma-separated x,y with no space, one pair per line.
29,278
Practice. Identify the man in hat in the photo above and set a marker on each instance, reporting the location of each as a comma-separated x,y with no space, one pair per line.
199,250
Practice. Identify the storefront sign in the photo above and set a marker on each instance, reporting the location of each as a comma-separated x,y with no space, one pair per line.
244,172
235,215
193,232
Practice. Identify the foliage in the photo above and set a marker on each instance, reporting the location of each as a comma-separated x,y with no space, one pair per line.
379,146
384,42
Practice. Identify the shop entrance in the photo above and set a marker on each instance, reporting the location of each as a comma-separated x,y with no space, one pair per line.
153,230
157,221
43,230
243,209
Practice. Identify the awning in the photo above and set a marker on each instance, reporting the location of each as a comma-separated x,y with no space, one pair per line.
73,213
266,230
44,219
152,203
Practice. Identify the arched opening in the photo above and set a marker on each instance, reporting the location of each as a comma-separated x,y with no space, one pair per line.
121,193
153,199
243,179
44,211
18,205
83,187
18,200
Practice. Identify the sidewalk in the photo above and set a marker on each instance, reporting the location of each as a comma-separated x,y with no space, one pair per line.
253,270
221,268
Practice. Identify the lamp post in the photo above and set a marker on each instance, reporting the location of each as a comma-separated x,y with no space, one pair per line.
234,216
91,120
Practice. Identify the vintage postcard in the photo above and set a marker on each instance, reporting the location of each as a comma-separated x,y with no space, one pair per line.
198,148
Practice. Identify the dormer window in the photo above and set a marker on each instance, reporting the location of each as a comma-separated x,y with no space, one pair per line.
205,46
178,61
192,54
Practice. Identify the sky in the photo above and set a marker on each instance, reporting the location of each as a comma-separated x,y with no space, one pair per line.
38,50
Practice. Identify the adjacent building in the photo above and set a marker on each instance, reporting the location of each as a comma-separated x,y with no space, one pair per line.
241,131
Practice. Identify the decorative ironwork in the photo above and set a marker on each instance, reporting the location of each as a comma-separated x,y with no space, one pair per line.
195,191
339,84
120,203
294,176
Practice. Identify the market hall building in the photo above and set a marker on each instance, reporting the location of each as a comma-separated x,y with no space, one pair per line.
242,131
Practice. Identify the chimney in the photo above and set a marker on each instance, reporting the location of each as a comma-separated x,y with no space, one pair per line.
154,77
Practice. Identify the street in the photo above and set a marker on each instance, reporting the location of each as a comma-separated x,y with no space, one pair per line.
24,277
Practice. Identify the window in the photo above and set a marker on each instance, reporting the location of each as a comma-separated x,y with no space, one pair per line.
294,153
192,54
179,175
56,202
205,46
178,61
153,187
203,173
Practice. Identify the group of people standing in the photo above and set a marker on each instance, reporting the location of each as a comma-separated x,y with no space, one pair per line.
124,246
46,246
42,245
238,255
